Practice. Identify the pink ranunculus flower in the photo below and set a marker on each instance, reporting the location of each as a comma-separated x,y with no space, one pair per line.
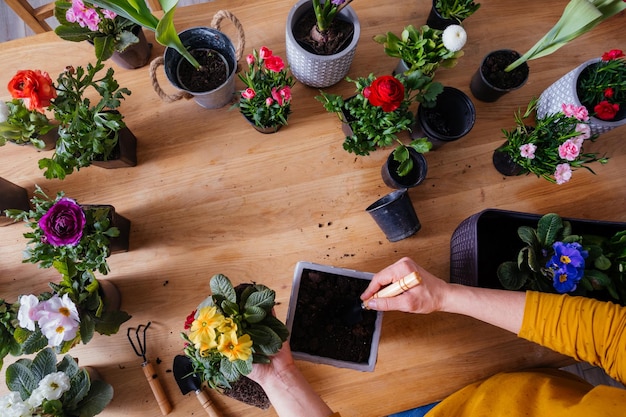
563,173
248,93
584,133
527,150
569,150
265,52
579,112
274,63
250,59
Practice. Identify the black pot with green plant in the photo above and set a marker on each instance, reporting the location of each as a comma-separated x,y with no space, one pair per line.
444,13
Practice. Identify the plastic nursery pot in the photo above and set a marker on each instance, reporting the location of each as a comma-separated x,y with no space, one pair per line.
11,197
311,69
395,215
490,81
136,55
436,21
505,165
416,176
451,118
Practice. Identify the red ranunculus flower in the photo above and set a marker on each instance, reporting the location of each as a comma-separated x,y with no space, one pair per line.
274,63
63,223
605,110
33,86
386,92
612,54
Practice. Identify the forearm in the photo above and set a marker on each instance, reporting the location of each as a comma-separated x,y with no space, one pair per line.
292,396
504,309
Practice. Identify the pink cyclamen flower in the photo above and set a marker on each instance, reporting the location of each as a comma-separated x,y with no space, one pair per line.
250,59
563,173
527,150
584,133
248,93
269,101
569,150
265,52
579,112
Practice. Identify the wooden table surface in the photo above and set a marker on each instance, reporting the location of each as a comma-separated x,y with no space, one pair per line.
211,195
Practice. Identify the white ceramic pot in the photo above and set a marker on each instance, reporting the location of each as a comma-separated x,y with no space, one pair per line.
563,91
313,70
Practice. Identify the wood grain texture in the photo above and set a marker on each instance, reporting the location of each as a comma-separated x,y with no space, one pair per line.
211,195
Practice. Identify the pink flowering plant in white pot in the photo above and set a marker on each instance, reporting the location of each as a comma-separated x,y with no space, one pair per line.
551,147
266,100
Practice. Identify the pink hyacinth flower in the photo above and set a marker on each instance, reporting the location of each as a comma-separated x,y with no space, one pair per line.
569,150
563,173
248,93
527,150
579,112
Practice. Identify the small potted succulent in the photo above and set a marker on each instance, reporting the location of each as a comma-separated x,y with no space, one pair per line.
444,13
424,49
23,119
229,331
112,36
266,100
380,110
43,387
557,258
551,147
598,84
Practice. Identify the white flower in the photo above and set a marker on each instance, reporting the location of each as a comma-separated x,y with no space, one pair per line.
454,38
53,385
36,398
11,405
27,314
4,112
58,319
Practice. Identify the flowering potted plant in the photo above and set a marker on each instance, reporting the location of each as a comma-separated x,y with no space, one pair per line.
87,132
112,36
23,119
425,49
266,102
43,387
230,330
444,13
321,41
555,259
380,110
551,148
598,84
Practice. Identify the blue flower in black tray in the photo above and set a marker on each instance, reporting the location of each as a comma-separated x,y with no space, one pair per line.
567,265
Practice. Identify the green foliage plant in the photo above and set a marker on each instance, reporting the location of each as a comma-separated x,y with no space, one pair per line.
241,331
373,128
22,126
458,10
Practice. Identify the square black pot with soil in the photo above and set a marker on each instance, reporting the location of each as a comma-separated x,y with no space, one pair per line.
325,320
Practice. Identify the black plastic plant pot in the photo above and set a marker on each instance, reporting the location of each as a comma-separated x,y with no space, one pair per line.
436,21
490,81
395,215
505,165
12,196
391,178
322,299
452,117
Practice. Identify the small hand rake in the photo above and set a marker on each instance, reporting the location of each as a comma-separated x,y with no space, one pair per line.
148,369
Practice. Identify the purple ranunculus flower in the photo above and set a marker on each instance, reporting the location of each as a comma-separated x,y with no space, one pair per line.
63,224
568,265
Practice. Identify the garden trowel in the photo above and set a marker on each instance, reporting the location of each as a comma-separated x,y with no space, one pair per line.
188,381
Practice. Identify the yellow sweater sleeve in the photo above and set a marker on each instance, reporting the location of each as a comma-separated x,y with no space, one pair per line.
583,328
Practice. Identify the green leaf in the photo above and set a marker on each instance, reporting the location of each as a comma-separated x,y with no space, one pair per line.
230,309
511,277
79,387
263,299
548,229
277,326
244,367
110,321
528,236
167,35
221,285
228,369
21,379
44,363
254,314
99,396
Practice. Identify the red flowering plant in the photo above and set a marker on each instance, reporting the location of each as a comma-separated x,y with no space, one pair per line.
23,119
380,110
602,86
266,100
232,329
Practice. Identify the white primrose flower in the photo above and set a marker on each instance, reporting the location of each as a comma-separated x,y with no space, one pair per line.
27,314
454,38
58,319
4,112
53,385
11,405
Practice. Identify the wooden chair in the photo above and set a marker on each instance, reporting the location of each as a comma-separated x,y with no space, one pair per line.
34,17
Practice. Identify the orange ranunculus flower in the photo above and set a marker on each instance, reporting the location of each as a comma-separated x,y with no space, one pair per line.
234,347
35,87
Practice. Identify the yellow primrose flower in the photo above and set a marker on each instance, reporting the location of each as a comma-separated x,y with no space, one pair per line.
235,348
227,326
202,332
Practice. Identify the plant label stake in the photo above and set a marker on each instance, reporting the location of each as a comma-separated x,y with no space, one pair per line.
148,369
353,315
